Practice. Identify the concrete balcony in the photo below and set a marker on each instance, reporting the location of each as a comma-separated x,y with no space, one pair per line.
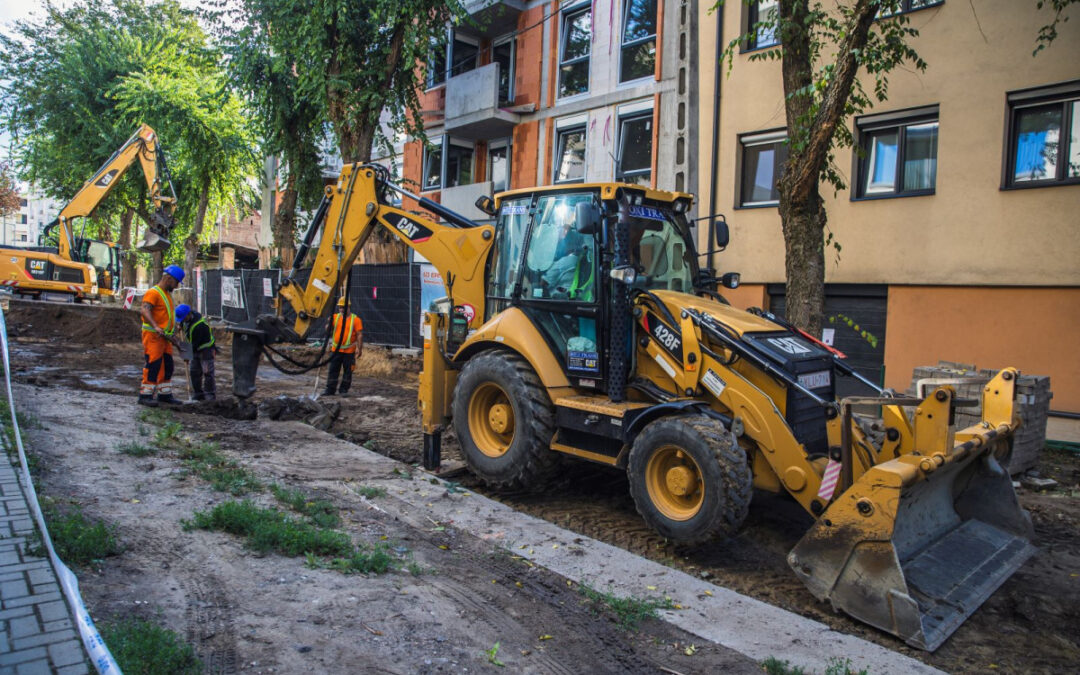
472,106
462,199
494,17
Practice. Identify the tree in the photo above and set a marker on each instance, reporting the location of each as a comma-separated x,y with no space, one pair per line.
822,51
9,192
89,73
357,61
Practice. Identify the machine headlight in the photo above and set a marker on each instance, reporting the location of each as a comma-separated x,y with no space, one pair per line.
626,275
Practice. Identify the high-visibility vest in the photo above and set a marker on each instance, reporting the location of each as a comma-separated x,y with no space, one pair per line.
581,289
343,340
171,324
191,335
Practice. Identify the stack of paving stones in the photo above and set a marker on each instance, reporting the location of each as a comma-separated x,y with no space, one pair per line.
36,631
1033,397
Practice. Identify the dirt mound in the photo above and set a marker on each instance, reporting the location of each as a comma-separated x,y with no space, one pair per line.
229,408
90,324
303,408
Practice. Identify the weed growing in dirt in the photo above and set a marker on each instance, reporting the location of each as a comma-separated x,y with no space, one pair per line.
271,530
491,655
370,491
774,666
141,646
135,449
414,568
168,435
156,416
225,475
321,512
79,540
376,559
838,666
629,611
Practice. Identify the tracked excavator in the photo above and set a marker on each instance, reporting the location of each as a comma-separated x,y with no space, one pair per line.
79,267
580,326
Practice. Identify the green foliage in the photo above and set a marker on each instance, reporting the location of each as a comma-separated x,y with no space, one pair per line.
167,435
79,540
850,323
629,611
156,416
1048,33
142,647
271,530
320,511
376,559
135,449
370,491
774,666
491,655
225,475
838,666
9,191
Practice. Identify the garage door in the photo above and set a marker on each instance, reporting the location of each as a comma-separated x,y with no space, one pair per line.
866,305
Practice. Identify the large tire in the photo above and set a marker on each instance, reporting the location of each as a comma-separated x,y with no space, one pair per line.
504,422
689,478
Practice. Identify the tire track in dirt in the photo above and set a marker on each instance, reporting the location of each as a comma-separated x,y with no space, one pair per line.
209,620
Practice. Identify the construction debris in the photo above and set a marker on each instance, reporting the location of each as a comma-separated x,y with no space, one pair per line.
302,408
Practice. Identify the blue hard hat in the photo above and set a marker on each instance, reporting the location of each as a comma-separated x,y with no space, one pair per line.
181,312
176,272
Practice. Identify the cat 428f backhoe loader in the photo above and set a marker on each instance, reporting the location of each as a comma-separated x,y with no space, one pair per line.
81,267
581,325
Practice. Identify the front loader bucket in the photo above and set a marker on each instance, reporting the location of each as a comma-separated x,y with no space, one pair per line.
918,543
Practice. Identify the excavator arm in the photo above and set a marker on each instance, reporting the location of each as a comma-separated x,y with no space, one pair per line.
351,210
143,147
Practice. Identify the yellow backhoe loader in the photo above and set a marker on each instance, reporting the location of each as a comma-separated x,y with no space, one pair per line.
581,326
80,267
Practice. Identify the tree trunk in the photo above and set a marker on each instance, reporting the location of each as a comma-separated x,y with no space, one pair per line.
191,244
804,260
284,223
127,256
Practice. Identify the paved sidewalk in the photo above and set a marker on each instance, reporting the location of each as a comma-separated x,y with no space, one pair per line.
36,631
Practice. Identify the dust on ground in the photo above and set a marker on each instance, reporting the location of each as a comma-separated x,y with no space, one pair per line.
1031,624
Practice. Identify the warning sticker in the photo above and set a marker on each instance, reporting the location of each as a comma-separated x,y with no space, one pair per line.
713,383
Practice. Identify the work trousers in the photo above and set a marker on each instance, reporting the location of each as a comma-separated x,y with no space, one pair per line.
343,364
157,365
201,372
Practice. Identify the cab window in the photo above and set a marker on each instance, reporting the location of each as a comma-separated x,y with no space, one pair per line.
560,263
659,251
509,236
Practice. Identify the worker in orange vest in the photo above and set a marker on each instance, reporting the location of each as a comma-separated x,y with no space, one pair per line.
158,329
346,337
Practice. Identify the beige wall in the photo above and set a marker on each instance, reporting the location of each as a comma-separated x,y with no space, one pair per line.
970,231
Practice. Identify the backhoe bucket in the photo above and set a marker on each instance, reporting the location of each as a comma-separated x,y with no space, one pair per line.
153,242
918,543
247,349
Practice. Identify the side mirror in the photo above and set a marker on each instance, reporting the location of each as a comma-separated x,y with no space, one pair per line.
486,204
723,235
730,280
587,217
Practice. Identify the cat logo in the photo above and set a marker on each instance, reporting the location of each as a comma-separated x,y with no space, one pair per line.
409,228
107,179
789,345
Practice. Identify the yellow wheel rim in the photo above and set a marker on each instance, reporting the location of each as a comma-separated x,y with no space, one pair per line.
674,482
491,419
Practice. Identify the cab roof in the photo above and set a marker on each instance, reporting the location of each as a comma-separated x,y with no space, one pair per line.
607,191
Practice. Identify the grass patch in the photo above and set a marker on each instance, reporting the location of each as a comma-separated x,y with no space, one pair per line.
156,416
271,530
370,491
168,435
377,559
135,449
144,648
225,475
319,511
834,666
79,540
629,611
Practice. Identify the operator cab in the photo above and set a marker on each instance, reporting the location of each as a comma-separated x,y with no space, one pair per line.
553,257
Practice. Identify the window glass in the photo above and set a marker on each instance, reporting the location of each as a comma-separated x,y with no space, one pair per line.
436,65
1073,169
462,57
881,162
575,48
763,36
561,262
1038,131
459,166
920,156
659,251
509,235
635,150
499,166
761,166
433,168
570,155
503,54
638,40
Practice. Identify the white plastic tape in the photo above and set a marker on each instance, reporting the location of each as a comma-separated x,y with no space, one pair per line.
95,646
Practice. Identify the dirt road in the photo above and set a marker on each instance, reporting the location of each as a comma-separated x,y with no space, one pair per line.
1031,624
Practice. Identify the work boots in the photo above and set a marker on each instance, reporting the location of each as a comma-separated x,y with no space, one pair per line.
168,399
147,400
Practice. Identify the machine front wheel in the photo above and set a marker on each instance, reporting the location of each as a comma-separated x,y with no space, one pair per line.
689,479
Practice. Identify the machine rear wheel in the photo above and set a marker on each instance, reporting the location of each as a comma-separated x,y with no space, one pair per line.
689,479
504,421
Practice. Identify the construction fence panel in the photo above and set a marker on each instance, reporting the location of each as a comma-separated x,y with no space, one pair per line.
237,296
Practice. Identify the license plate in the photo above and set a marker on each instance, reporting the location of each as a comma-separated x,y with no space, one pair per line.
816,380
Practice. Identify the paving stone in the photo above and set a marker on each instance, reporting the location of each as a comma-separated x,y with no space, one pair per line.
43,639
22,656
49,626
53,611
10,576
14,589
9,557
8,614
24,626
32,600
47,587
41,576
66,653
39,667
77,669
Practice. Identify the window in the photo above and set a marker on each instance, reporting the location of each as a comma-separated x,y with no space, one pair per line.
447,163
459,165
1044,136
762,36
22,237
436,65
763,158
560,261
499,166
455,57
22,203
634,162
898,154
22,219
462,55
503,54
574,49
904,6
638,40
570,155
433,167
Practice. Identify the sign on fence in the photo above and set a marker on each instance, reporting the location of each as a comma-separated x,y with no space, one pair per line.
431,289
230,293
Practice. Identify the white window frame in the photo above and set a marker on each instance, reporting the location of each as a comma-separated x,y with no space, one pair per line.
623,44
587,59
506,143
625,113
751,141
568,125
432,145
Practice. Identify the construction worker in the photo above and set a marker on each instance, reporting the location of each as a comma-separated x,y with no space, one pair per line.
346,336
158,328
201,371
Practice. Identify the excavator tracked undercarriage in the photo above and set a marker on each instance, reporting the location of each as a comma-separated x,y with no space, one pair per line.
580,325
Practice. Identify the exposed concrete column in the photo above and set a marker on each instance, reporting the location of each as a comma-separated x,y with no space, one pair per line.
228,257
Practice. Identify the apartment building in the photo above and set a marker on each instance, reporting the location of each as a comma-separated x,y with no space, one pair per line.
539,93
959,228
35,212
